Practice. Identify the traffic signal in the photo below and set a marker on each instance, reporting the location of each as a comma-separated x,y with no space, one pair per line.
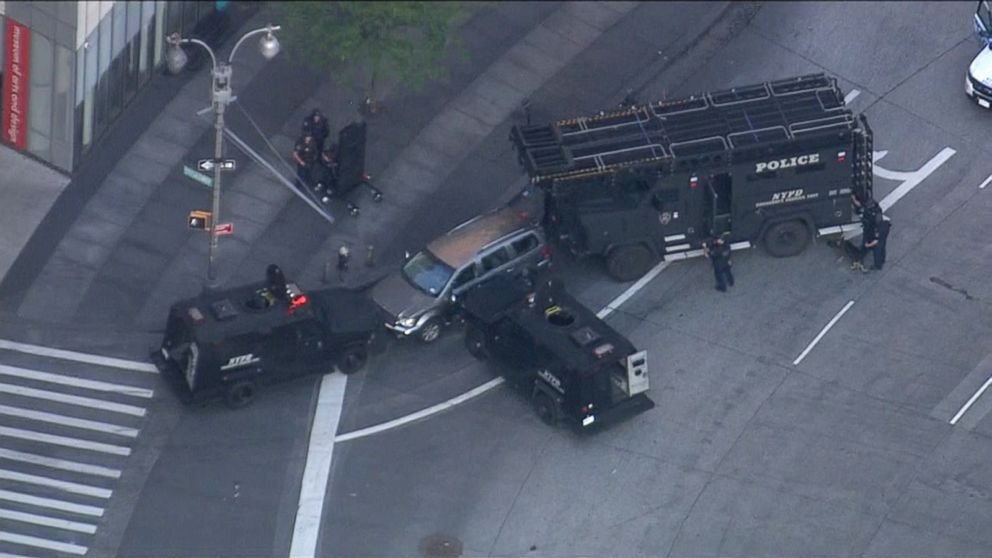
199,220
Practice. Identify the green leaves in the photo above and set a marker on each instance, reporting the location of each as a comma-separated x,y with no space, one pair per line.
405,41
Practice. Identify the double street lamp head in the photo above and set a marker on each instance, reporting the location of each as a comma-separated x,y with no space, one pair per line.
176,58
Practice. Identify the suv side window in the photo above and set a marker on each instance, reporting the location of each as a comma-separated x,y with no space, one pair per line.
495,259
523,245
464,276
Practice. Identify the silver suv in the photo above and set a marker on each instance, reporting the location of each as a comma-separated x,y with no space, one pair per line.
418,298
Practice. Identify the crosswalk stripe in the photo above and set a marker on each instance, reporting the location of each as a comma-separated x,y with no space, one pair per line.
38,542
69,421
62,379
78,357
9,555
48,521
50,503
64,441
53,463
73,399
65,486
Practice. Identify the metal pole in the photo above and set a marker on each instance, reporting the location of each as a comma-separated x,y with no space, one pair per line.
219,103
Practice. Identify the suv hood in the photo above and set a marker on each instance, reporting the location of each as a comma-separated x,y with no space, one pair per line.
981,67
400,299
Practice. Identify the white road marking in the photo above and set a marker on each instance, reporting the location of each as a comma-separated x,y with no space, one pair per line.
381,427
73,422
37,542
61,379
62,464
78,357
48,521
65,486
616,302
986,183
971,401
823,332
72,399
320,451
851,95
64,441
912,179
50,503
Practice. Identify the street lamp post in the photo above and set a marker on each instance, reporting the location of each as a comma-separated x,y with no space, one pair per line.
220,97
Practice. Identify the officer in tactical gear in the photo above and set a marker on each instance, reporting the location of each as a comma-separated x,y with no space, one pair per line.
327,181
719,255
305,156
316,125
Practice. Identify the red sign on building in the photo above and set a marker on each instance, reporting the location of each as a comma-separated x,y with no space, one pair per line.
17,57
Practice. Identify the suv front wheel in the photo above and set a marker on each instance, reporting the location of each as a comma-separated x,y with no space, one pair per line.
430,331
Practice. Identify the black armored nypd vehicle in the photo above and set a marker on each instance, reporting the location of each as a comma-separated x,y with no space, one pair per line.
227,343
573,365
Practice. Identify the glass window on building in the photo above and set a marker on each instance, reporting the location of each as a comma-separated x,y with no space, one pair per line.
89,102
40,96
104,34
115,76
148,24
62,109
132,52
160,31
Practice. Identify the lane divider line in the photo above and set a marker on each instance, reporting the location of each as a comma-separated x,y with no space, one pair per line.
616,302
320,451
971,401
986,183
851,95
823,332
388,425
88,358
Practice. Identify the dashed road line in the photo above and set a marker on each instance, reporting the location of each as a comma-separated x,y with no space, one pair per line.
88,358
985,183
79,400
64,441
971,401
65,486
64,380
53,463
851,95
823,332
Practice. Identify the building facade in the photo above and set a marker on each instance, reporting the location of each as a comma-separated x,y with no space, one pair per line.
70,68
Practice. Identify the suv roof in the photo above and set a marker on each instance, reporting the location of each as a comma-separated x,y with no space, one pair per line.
459,245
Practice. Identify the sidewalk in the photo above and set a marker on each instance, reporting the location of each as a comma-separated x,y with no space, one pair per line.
440,156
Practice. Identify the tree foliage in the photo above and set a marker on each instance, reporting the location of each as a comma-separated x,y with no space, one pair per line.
405,41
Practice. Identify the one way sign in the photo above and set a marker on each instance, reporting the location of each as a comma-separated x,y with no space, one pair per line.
207,165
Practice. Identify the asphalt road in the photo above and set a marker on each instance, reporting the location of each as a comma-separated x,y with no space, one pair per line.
848,453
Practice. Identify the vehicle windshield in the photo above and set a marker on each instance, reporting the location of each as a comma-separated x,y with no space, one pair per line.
427,273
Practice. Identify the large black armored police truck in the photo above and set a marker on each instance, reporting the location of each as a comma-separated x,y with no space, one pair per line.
227,343
575,368
775,162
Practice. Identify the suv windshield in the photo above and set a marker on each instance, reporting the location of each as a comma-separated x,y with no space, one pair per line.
427,273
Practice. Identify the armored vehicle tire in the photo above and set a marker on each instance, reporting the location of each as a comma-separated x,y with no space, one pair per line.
240,394
787,238
430,332
352,359
545,408
475,342
626,263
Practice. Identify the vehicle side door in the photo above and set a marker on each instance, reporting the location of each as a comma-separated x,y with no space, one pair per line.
670,212
495,260
527,251
464,279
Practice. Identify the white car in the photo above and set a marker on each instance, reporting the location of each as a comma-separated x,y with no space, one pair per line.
978,82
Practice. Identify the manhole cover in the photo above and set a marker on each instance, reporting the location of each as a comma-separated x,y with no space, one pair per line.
440,546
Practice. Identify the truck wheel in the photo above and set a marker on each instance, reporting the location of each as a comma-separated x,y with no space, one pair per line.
352,359
240,394
545,408
430,332
787,238
626,263
475,342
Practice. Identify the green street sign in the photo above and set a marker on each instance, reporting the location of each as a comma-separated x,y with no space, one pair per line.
198,176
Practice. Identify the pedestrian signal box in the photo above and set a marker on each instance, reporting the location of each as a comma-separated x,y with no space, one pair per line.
199,220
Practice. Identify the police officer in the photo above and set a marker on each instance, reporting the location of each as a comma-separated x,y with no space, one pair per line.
871,215
316,126
305,156
880,235
719,255
327,181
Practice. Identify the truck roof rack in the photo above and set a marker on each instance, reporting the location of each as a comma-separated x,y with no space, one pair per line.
706,124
